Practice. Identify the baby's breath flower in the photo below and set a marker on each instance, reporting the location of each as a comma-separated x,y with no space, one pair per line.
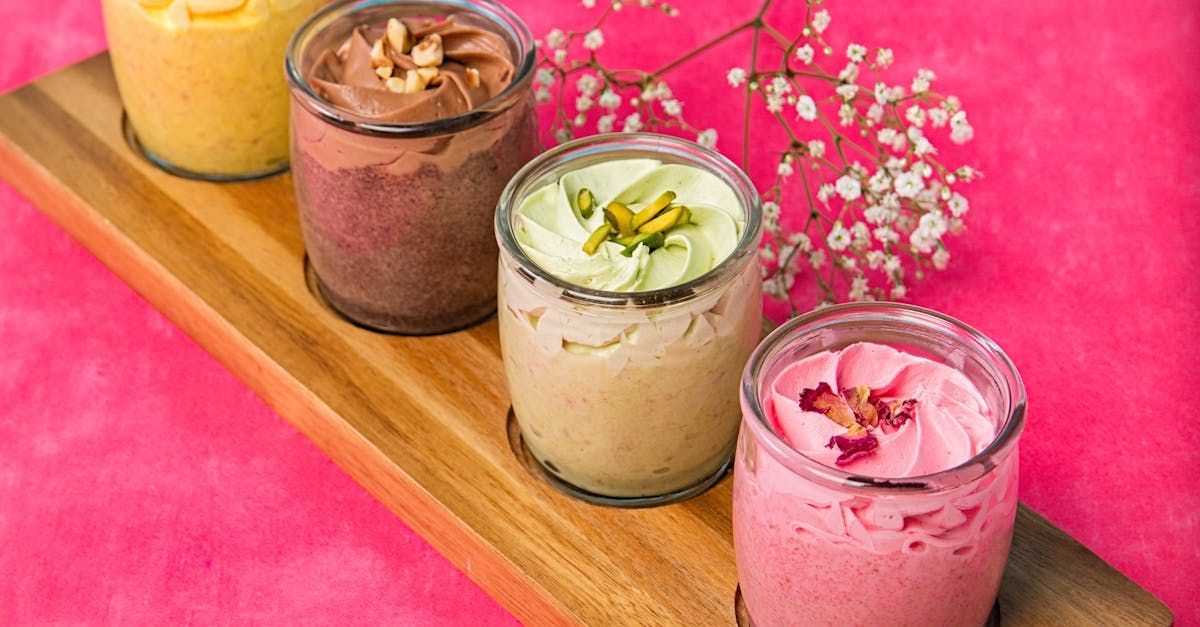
938,117
780,85
785,169
899,291
560,56
610,100
820,20
957,204
875,112
816,147
563,135
593,40
806,108
908,184
825,192
556,38
839,238
541,94
849,74
544,76
848,188
817,258
805,54
941,258
915,116
605,123
580,119
774,103
672,107
876,214
847,91
921,82
882,93
633,123
884,57
584,103
846,114
856,53
587,84
589,4
858,288
707,138
767,254
736,76
800,241
879,182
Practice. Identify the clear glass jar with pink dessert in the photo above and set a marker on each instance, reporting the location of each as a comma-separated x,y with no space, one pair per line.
623,359
875,480
408,119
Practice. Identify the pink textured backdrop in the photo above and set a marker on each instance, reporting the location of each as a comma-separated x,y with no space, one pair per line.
142,483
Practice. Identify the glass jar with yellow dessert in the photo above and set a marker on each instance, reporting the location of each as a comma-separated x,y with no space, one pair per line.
408,119
202,81
630,298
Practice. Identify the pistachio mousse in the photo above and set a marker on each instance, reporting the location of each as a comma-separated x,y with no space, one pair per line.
632,401
397,225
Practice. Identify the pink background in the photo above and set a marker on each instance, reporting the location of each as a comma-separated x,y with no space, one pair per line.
142,483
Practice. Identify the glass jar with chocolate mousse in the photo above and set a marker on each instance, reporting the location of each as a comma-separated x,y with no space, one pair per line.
630,298
875,480
200,82
408,119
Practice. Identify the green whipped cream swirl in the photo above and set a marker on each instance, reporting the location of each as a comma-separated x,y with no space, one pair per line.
551,230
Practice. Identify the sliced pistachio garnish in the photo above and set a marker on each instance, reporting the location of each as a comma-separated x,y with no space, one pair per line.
621,217
596,238
664,221
650,240
625,227
586,201
649,211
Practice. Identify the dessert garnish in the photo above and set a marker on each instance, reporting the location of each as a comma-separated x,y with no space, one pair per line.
406,66
861,413
647,227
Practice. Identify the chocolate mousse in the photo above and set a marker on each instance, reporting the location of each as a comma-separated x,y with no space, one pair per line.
397,195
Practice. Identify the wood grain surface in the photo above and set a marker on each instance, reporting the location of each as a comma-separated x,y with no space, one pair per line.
420,422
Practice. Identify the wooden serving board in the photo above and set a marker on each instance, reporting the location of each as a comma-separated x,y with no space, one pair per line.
420,422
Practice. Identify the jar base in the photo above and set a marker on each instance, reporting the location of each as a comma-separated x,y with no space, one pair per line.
742,615
535,467
317,288
131,138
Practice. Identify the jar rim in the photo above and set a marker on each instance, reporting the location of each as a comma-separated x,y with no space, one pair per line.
972,341
632,145
511,24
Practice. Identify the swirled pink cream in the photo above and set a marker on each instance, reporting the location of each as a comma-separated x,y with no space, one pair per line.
811,552
950,421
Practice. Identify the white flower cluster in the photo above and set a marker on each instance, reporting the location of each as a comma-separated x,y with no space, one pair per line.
612,101
873,202
875,213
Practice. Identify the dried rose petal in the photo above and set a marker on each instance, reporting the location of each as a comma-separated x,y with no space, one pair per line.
823,400
860,401
852,447
897,412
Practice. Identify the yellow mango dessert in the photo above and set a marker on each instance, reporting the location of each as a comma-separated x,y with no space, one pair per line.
202,81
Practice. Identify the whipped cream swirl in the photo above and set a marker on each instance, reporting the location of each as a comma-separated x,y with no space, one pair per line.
551,230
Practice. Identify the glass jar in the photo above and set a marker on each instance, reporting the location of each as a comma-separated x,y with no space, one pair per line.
397,217
628,398
816,545
203,94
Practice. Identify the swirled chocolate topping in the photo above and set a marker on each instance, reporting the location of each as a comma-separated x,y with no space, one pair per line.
414,70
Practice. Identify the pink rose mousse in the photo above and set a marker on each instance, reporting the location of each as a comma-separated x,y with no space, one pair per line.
814,553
